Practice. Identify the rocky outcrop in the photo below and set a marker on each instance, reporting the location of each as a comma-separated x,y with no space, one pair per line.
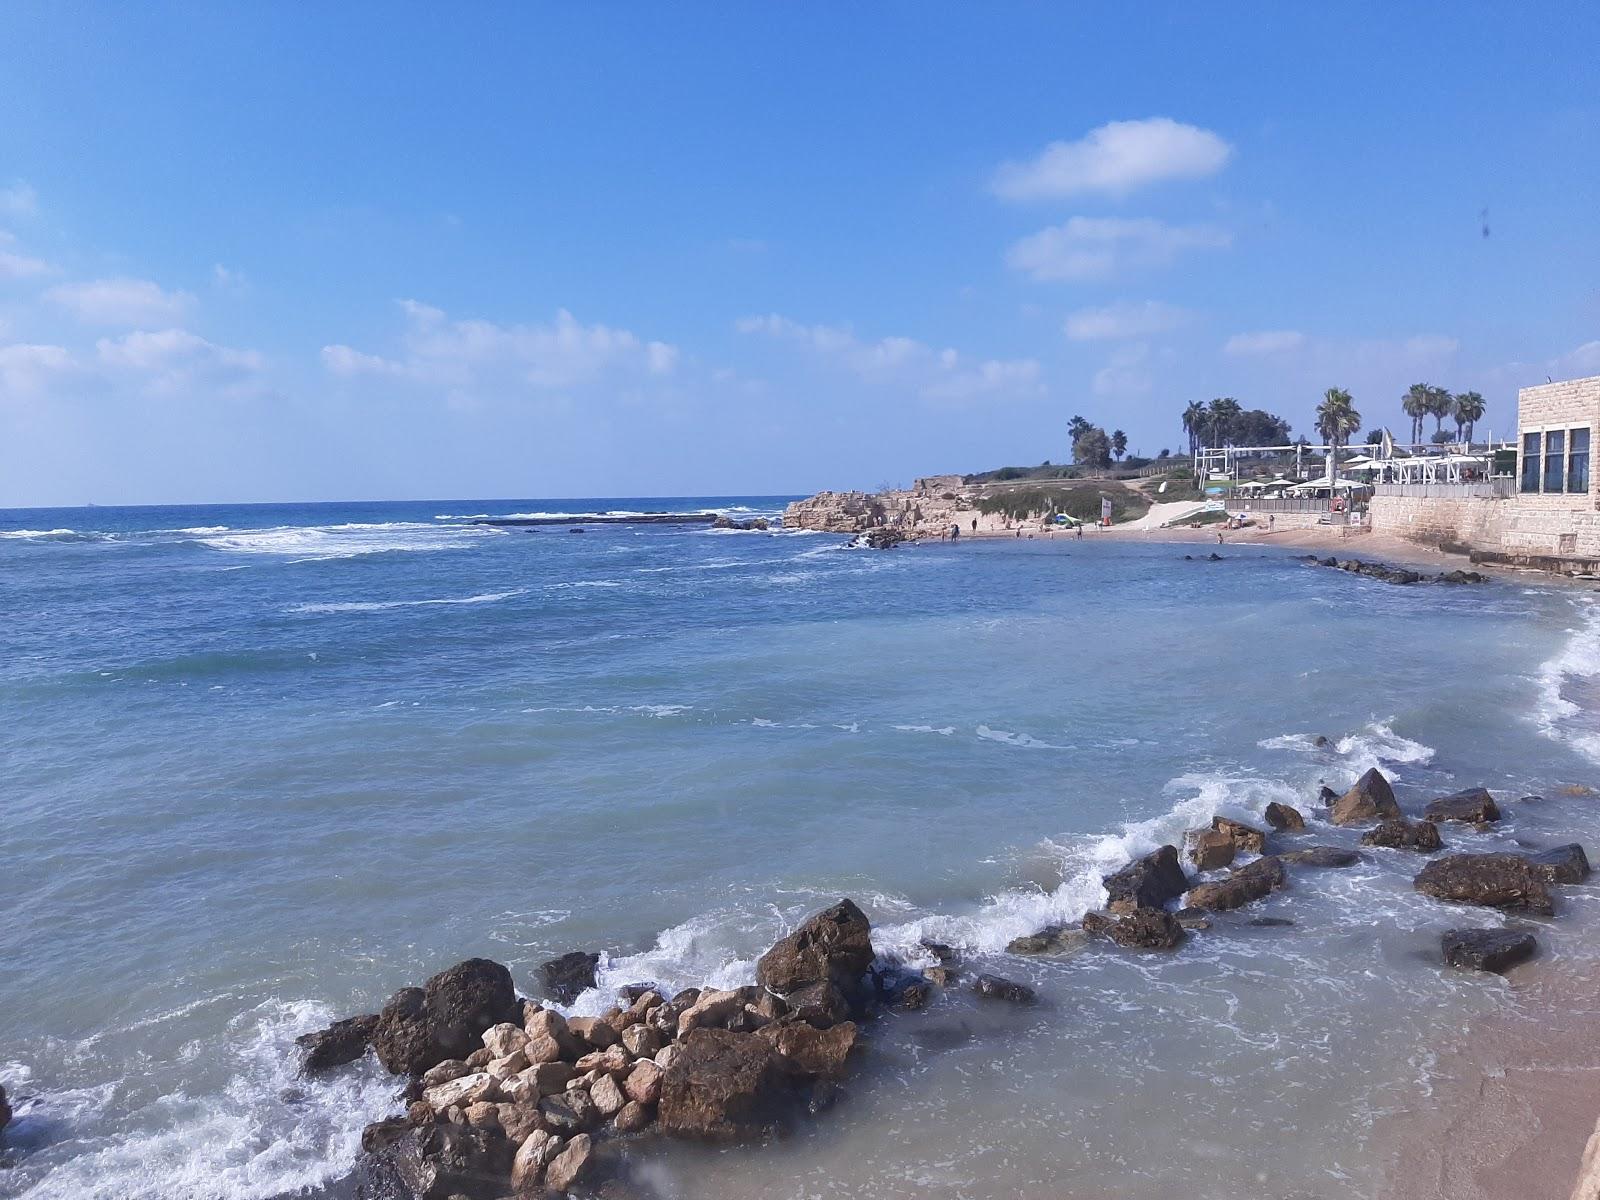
749,525
835,512
1563,864
1141,929
830,951
1149,882
1398,575
723,1086
1473,805
1241,886
1487,949
568,977
445,1018
1285,818
340,1043
1370,798
1405,835
1492,880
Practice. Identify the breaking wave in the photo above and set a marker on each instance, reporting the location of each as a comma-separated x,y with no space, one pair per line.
319,542
355,606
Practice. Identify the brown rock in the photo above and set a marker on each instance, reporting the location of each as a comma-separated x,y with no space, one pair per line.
633,1117
533,1155
570,1111
597,1031
519,1120
1141,928
1473,805
997,987
643,1082
552,1077
1493,880
1210,849
1405,835
450,1068
607,1096
1148,882
481,1114
712,1009
642,1041
1564,864
504,1039
567,977
723,1085
566,1168
833,946
1240,887
815,1053
479,1058
340,1043
1369,799
511,1064
1244,837
1285,818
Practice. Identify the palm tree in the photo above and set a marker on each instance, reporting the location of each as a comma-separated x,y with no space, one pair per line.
1221,415
1469,411
1119,443
1337,417
1194,418
1415,405
1440,404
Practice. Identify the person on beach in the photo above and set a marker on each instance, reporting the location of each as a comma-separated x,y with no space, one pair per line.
1272,521
1080,531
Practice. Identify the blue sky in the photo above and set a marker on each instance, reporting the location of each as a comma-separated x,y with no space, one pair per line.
280,252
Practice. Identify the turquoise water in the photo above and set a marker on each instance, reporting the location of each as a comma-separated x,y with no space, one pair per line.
264,765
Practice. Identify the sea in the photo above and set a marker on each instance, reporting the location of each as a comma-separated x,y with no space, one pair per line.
264,765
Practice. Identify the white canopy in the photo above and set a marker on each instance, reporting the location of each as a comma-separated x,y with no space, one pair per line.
1341,484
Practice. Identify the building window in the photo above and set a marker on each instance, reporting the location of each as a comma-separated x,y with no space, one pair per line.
1578,463
1555,446
1530,462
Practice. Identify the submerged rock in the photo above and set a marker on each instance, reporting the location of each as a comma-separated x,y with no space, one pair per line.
1472,805
1321,856
340,1043
1492,880
1148,882
1370,798
1053,939
568,977
1241,886
1405,835
1563,864
1285,818
997,987
1488,949
5,1109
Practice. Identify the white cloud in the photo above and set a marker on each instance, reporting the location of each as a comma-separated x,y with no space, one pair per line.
1115,159
1126,375
19,200
19,266
26,369
466,355
1102,247
226,279
1584,360
1115,321
120,302
945,375
174,361
1265,341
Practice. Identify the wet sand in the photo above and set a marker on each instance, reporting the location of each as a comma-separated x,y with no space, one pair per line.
1518,1092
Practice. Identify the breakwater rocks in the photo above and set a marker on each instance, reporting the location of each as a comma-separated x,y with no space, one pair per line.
507,1096
1141,897
1397,575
